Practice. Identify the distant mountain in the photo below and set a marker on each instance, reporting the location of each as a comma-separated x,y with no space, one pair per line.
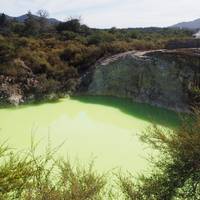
188,25
22,18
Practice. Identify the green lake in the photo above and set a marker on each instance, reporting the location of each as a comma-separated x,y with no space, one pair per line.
101,129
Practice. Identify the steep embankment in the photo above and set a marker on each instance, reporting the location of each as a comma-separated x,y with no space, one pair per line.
164,78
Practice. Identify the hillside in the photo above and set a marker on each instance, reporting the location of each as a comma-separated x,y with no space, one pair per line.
22,18
193,25
41,60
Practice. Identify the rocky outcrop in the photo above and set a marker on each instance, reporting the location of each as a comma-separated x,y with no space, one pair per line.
164,78
17,90
11,91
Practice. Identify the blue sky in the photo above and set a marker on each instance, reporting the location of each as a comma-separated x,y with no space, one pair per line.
109,13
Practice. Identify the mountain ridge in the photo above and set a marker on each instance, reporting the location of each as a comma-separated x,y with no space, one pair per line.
194,25
22,18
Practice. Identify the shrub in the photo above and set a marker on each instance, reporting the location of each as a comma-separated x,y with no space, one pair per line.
79,55
176,174
115,47
31,177
68,35
32,25
30,43
73,25
100,37
7,52
36,61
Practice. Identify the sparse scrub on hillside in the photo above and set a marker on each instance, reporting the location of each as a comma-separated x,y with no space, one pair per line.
61,53
80,55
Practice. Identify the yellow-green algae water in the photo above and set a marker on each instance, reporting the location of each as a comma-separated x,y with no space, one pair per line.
101,129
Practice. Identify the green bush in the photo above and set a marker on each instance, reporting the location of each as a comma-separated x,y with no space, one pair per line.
176,173
80,55
73,25
100,37
68,35
115,47
36,61
7,52
31,177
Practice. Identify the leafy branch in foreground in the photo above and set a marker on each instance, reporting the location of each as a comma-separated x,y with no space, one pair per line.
31,177
176,173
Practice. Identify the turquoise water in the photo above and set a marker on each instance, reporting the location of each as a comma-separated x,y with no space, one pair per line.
101,129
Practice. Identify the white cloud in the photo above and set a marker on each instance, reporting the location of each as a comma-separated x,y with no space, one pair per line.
108,13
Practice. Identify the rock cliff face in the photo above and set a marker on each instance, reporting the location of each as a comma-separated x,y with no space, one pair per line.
164,78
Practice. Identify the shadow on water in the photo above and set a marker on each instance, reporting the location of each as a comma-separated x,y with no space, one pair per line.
32,103
142,111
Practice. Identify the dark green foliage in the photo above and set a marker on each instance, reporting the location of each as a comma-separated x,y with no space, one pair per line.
18,28
5,25
85,30
3,21
7,52
73,25
32,26
69,35
101,37
176,173
79,55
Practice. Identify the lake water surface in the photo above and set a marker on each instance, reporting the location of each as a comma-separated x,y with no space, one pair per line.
103,129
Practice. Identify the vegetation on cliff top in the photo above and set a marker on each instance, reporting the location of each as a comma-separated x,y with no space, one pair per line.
39,58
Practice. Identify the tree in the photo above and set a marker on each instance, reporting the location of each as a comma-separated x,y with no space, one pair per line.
5,24
73,25
32,26
3,20
113,30
101,37
43,15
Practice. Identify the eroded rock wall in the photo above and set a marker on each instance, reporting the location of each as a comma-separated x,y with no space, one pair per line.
161,78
